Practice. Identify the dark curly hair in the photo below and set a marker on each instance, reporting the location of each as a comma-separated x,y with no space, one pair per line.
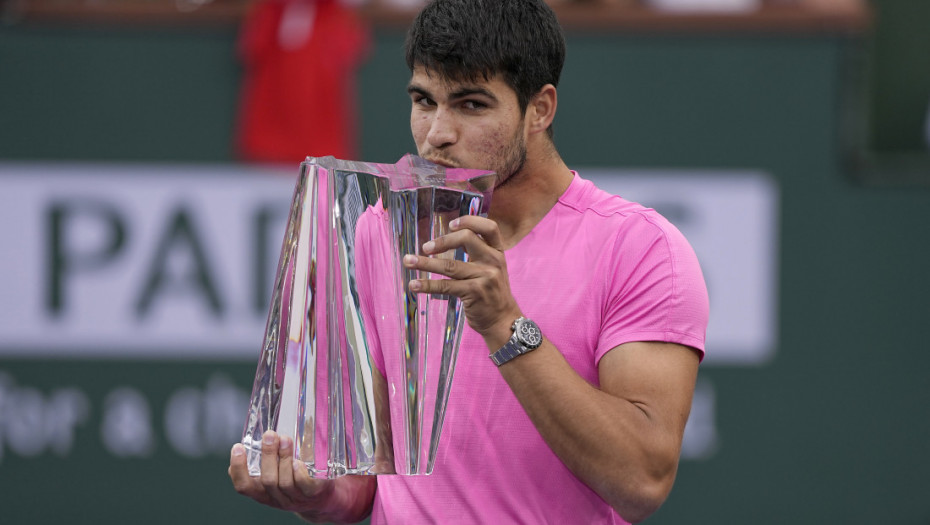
472,39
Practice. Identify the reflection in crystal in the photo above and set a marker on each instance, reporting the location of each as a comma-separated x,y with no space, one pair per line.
349,355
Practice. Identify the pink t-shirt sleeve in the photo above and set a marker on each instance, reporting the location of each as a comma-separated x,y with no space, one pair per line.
656,288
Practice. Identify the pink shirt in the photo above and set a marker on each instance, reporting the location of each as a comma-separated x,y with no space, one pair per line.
597,271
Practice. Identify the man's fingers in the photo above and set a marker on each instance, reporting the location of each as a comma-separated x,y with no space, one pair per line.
308,487
441,266
270,468
477,246
239,469
294,479
311,491
437,286
285,466
482,226
244,483
284,481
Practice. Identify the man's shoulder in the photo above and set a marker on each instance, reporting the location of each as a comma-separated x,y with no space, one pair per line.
627,221
584,196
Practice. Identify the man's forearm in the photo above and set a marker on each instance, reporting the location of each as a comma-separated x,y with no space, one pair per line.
621,448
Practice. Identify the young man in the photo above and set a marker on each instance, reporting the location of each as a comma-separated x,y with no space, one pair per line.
583,424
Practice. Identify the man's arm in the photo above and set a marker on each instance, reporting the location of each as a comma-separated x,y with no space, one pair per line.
624,438
286,484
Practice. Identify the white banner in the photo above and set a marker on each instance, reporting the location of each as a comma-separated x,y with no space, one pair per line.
171,261
151,261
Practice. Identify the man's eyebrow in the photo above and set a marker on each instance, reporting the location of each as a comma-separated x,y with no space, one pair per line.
462,92
413,88
467,91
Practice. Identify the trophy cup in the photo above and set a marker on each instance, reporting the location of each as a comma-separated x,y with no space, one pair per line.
355,367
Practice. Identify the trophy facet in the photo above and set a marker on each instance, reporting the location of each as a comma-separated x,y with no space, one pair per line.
355,367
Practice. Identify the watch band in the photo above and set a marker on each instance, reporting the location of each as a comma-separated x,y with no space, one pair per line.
507,352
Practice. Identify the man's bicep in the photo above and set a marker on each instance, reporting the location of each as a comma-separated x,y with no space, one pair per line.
657,377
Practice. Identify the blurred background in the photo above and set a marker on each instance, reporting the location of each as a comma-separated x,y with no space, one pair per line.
148,150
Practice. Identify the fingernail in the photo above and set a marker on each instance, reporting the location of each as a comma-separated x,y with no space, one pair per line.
268,438
238,449
295,464
454,224
415,285
428,247
285,442
410,259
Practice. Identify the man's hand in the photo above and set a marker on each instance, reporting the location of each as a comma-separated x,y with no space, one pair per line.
482,283
284,482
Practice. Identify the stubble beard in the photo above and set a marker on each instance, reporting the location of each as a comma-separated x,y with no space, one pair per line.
512,168
508,170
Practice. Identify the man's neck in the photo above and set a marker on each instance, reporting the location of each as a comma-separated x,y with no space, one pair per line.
519,204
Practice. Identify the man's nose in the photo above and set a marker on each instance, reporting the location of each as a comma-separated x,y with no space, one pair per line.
442,129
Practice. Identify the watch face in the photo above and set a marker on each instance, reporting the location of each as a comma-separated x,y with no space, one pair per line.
528,333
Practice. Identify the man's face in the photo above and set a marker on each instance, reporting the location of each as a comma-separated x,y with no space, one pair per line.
475,125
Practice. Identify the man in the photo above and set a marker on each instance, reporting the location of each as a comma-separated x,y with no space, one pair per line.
584,426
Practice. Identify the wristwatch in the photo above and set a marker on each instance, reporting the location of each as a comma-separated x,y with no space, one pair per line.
526,338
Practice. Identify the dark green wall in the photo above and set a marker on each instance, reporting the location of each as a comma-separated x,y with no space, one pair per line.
117,94
833,430
900,75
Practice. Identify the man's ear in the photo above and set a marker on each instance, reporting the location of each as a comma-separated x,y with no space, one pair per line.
541,109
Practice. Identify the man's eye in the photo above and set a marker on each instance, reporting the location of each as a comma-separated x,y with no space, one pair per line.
422,101
472,104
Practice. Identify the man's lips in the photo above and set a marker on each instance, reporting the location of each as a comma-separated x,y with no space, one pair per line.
442,162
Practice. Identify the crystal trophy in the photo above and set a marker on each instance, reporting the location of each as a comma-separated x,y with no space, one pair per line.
355,367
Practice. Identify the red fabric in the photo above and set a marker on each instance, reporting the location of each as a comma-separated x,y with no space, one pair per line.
298,95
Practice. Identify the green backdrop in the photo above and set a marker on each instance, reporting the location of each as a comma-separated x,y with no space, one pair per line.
833,430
